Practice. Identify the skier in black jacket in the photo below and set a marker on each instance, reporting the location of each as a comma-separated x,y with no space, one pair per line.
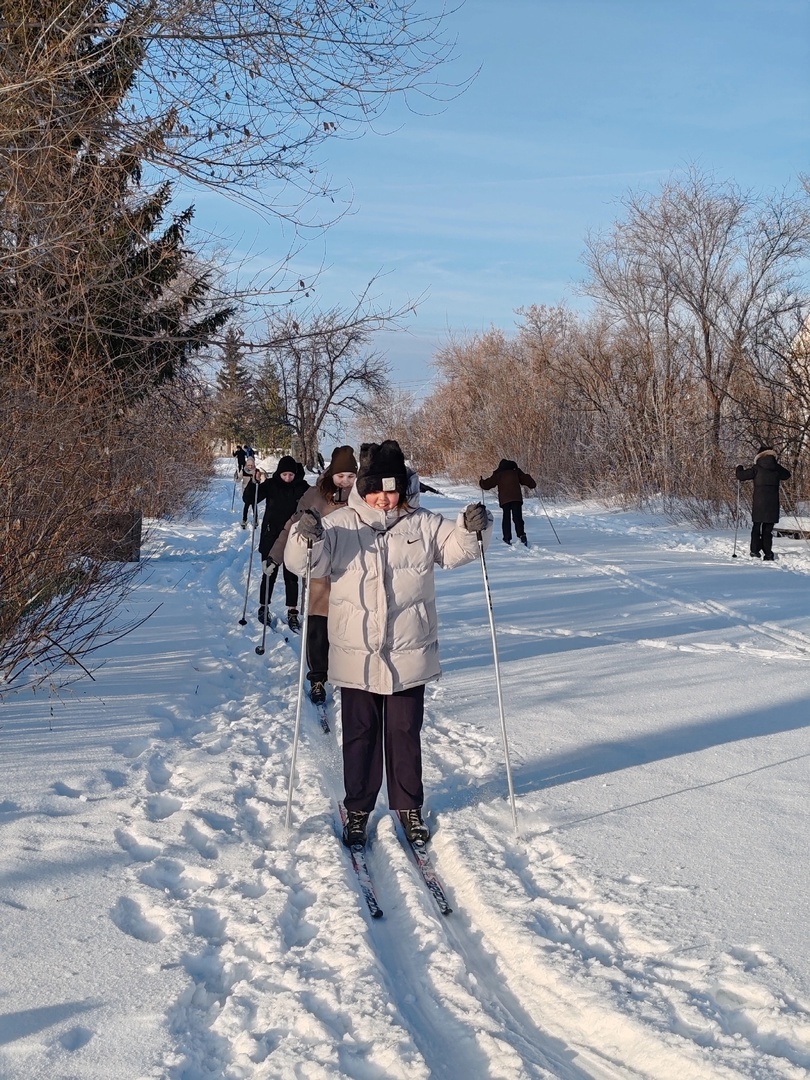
241,457
280,493
766,472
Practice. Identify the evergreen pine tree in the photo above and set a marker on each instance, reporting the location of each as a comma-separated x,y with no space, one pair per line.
92,295
233,400
271,424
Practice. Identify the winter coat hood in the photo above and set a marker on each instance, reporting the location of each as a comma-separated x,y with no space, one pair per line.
765,453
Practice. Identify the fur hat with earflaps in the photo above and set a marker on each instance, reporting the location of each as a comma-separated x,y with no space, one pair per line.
382,468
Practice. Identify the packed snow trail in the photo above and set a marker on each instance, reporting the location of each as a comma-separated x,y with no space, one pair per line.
649,923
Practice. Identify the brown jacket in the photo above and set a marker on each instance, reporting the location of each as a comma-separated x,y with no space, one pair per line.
509,478
316,500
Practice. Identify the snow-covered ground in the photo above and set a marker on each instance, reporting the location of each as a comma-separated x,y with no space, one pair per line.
158,921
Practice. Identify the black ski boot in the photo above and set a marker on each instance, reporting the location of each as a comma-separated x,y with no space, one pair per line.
263,615
293,621
317,693
415,828
354,831
523,540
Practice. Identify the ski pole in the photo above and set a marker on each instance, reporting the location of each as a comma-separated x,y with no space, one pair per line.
233,493
504,736
540,497
266,610
302,666
737,521
243,620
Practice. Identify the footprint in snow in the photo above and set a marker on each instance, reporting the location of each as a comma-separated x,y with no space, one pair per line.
69,793
172,878
209,924
130,919
114,778
76,1038
159,807
198,840
160,775
142,850
135,747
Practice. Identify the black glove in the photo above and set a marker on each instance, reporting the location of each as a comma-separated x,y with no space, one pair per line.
476,517
310,525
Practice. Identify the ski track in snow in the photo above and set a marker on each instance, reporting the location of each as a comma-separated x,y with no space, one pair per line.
540,972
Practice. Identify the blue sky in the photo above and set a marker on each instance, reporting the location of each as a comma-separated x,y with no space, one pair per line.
484,206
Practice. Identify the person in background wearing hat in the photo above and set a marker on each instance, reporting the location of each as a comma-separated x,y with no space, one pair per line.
280,494
766,472
250,476
241,458
329,493
379,552
509,479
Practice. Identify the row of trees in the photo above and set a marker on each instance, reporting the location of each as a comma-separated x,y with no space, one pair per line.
104,305
694,353
309,377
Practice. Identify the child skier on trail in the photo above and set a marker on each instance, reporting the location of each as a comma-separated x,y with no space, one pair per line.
329,494
509,478
379,552
766,472
280,494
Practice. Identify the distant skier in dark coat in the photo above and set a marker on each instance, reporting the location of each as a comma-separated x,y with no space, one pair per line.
509,479
766,472
241,456
249,474
280,494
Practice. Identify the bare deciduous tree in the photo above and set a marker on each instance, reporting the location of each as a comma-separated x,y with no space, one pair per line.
708,276
326,370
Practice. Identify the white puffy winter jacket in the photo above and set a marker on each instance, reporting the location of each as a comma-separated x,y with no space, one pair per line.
382,607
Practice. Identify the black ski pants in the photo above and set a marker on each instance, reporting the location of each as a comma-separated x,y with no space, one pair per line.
290,587
762,538
377,728
513,512
317,648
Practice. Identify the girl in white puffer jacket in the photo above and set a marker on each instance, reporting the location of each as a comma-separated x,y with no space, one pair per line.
379,552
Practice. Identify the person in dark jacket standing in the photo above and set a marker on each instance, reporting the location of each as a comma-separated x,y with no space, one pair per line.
329,494
509,480
766,472
249,473
241,457
280,494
